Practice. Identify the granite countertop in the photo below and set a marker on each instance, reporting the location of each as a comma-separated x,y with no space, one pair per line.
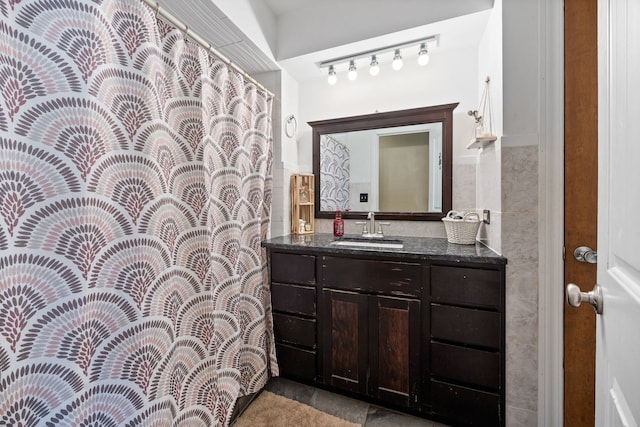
432,248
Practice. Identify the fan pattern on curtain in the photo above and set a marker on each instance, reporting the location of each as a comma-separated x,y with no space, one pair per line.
335,174
135,190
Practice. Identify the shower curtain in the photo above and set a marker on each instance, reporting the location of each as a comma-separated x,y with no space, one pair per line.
135,190
335,174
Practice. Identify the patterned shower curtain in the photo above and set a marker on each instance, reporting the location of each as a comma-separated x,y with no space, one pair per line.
135,190
335,174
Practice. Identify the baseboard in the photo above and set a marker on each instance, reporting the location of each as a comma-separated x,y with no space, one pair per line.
242,403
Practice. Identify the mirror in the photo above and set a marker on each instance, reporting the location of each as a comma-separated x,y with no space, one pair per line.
396,164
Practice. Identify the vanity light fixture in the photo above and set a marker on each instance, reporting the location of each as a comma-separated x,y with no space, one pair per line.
332,79
423,55
378,56
353,73
397,60
374,67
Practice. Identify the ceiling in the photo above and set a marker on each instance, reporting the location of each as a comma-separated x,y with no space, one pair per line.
266,35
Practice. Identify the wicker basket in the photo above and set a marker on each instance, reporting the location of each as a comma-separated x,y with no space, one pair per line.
461,227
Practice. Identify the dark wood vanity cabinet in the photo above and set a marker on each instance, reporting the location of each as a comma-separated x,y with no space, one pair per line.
417,335
467,344
293,298
370,328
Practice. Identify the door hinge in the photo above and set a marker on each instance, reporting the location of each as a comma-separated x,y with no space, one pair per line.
564,253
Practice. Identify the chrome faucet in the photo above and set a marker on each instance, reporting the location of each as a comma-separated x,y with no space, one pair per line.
370,231
372,222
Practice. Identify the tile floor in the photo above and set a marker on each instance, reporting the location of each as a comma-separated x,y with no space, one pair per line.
352,410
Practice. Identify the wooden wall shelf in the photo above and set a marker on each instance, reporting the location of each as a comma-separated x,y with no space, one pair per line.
302,203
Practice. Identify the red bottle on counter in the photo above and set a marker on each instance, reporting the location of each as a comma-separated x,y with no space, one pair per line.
338,225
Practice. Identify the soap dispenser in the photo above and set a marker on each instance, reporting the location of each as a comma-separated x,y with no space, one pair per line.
338,225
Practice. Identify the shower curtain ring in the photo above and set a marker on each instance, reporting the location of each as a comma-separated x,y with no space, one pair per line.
186,34
157,9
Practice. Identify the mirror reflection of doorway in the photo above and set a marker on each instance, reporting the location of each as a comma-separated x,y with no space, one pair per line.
403,180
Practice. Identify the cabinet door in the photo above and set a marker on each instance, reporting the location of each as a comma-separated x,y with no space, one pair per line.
394,340
344,329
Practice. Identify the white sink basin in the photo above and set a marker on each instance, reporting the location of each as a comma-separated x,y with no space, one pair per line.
386,244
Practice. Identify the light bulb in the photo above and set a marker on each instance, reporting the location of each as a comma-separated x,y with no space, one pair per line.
374,68
397,60
352,74
423,55
332,79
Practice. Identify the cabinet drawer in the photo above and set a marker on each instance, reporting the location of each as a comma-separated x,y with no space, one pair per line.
293,299
296,362
466,365
465,325
294,330
465,406
392,277
293,268
466,286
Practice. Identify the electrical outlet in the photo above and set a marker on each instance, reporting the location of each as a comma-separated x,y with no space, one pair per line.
364,197
486,216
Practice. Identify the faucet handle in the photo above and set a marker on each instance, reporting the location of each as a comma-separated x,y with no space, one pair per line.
364,226
380,224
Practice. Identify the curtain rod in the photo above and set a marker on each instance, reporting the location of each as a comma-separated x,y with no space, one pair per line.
185,29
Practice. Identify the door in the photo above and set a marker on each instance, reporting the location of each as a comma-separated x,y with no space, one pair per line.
372,345
345,344
618,331
403,181
394,349
581,204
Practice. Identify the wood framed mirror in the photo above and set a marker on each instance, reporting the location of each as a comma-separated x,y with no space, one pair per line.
397,164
